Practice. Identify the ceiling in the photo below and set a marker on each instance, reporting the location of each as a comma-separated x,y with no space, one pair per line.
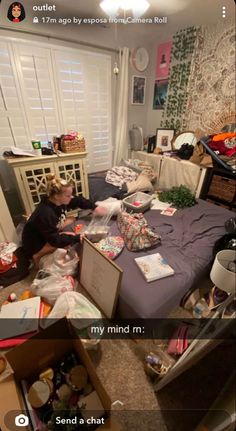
179,13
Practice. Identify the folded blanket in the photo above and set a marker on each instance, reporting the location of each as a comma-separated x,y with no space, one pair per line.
120,175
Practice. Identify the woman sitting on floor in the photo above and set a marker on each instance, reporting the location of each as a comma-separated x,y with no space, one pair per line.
43,233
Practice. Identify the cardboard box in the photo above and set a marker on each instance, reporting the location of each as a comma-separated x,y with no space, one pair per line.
39,352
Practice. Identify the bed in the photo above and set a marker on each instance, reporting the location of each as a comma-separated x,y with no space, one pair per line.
100,190
188,238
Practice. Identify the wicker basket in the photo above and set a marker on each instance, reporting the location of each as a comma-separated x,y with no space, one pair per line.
73,146
222,188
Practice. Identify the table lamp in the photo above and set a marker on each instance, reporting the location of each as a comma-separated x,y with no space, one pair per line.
223,272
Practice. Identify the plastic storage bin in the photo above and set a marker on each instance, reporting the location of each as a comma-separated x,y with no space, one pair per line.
138,202
96,233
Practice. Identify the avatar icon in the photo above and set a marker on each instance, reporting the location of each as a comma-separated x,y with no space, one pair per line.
16,12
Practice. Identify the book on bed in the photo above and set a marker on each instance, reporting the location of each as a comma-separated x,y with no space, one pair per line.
154,267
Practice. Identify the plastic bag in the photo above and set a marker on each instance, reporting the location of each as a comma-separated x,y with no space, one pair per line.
76,306
98,228
50,286
112,205
61,261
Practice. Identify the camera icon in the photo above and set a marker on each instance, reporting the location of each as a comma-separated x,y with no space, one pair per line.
21,420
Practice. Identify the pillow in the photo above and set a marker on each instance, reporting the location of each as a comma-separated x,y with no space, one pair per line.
142,184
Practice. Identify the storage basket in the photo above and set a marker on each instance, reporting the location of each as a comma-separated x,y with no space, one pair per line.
73,145
137,202
222,188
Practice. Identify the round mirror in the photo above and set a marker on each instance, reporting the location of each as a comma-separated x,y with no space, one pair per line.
184,138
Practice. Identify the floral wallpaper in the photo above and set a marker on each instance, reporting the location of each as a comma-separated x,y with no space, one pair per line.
181,58
211,87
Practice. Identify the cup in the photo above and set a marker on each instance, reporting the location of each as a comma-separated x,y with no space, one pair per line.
37,148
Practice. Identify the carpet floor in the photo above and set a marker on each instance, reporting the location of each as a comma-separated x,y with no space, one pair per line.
178,406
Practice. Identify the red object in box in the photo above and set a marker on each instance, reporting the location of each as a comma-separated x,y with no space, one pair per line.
78,228
137,203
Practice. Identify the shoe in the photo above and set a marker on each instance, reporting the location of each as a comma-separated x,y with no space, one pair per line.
215,298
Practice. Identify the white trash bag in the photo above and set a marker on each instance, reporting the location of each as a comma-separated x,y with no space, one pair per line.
50,286
76,306
61,261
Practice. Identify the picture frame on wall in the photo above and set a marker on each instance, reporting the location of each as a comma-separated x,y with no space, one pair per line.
138,90
160,94
164,139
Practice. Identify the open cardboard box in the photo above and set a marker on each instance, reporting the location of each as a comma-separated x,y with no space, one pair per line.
39,352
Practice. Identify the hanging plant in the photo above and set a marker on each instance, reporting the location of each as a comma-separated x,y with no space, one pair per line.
180,197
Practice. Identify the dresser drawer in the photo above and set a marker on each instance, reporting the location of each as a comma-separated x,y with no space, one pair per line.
222,188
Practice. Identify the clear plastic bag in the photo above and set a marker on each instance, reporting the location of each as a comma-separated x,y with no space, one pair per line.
98,227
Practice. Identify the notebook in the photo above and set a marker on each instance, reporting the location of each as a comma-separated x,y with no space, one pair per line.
154,267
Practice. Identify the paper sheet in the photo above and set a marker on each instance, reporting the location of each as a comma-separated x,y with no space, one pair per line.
158,205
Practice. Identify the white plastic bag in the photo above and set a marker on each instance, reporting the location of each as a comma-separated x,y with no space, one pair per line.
112,205
76,306
61,261
50,286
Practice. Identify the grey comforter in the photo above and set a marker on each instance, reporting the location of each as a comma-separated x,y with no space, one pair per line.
188,238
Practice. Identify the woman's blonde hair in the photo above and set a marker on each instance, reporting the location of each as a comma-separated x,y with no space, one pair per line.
55,185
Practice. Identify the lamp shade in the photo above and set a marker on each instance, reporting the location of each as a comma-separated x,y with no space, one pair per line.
220,274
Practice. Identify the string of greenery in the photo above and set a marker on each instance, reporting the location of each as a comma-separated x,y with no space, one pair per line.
180,197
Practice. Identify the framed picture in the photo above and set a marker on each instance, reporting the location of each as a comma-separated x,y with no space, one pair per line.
163,60
160,94
164,139
138,90
102,281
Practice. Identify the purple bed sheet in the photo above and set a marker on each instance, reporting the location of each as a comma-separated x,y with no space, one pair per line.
187,240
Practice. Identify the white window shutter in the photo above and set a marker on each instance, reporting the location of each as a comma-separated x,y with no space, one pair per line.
84,88
34,68
13,125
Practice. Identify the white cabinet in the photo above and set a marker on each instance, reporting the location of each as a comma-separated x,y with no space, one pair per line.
31,175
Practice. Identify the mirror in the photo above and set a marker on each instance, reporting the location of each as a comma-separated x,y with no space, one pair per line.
184,138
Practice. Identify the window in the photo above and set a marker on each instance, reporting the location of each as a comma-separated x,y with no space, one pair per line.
36,81
13,127
84,81
47,91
